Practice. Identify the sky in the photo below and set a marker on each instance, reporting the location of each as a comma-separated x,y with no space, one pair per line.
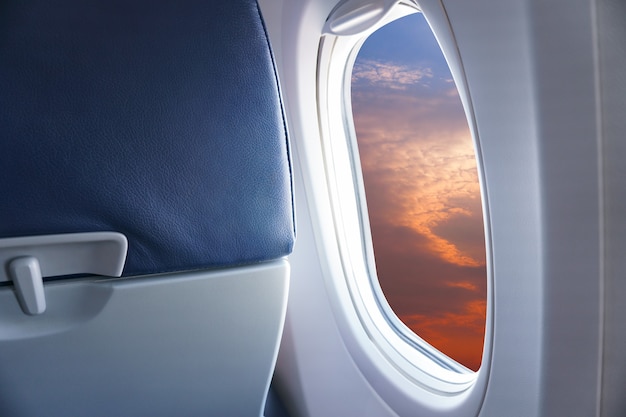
421,187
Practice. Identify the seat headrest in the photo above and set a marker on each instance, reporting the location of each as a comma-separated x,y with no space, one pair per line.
159,120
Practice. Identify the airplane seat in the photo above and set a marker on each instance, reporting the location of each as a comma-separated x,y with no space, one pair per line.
144,140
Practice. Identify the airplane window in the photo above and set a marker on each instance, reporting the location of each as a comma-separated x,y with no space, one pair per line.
421,186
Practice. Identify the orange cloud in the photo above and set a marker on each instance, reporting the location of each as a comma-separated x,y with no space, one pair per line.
464,284
459,335
430,173
424,203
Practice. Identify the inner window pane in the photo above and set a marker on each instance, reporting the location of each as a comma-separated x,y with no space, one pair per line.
422,188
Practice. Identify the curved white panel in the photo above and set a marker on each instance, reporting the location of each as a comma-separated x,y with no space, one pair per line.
528,70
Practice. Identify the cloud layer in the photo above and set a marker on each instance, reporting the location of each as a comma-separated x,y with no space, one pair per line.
388,75
424,203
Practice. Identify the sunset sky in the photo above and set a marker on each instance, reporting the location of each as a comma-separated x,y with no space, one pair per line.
421,187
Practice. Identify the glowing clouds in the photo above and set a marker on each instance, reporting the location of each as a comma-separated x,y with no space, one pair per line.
425,164
423,197
387,75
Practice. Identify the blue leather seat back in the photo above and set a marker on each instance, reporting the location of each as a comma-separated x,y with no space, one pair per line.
161,120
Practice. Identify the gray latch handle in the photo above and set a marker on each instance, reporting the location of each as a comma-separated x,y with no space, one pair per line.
27,260
28,283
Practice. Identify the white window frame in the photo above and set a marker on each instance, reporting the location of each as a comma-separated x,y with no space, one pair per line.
421,364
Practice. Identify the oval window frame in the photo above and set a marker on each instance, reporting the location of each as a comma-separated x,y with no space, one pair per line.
440,378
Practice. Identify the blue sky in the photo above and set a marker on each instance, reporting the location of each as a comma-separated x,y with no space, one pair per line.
409,41
421,186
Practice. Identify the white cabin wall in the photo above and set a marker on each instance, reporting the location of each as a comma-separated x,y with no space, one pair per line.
565,54
531,71
612,52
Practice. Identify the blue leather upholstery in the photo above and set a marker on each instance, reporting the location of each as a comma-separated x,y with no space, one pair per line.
161,120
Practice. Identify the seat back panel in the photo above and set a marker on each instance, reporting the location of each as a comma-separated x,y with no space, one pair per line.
148,346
